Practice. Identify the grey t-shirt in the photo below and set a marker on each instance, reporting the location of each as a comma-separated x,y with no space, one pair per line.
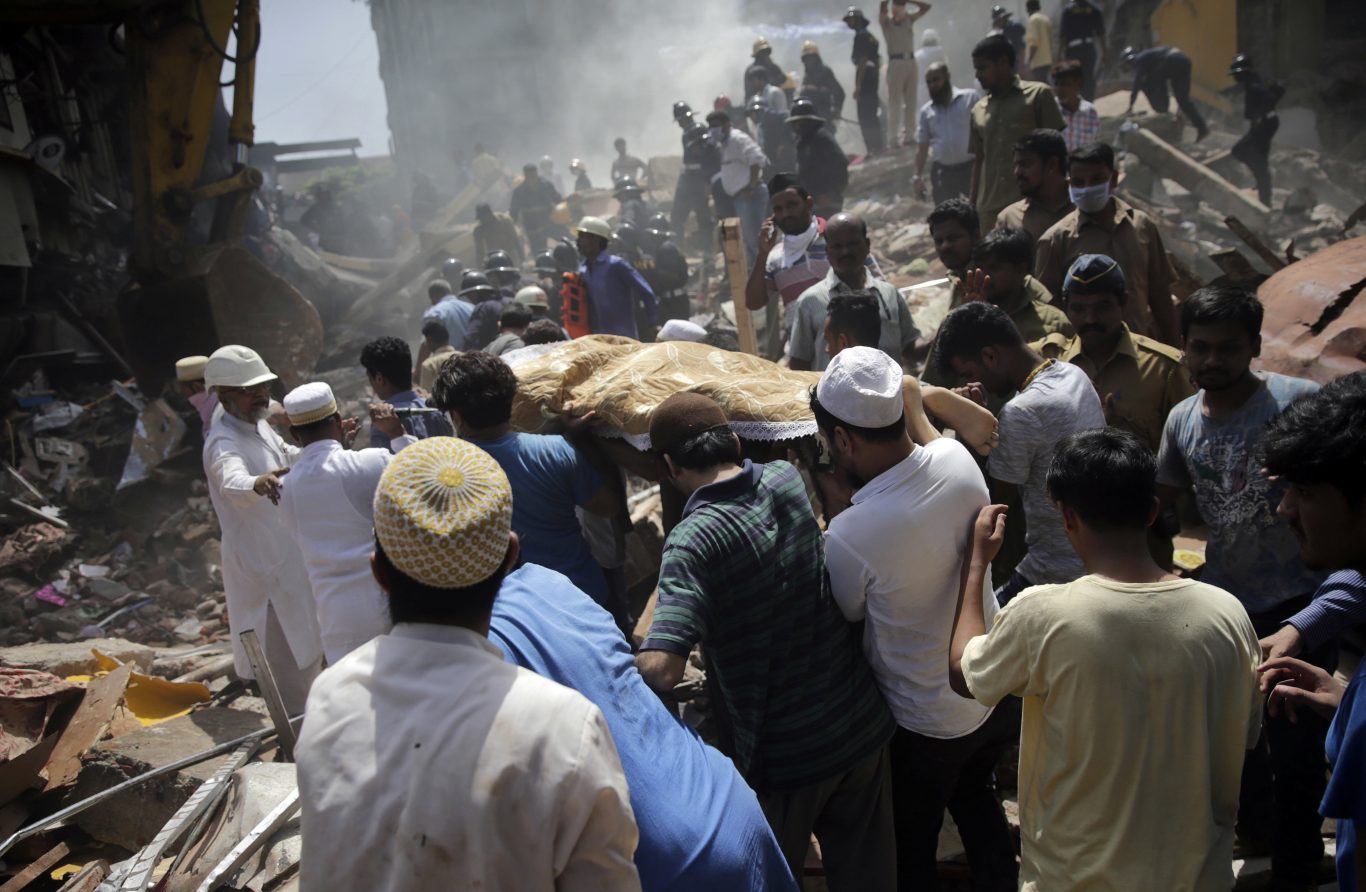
504,343
1059,401
807,342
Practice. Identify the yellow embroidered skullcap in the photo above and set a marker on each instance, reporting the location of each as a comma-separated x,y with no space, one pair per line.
443,511
310,402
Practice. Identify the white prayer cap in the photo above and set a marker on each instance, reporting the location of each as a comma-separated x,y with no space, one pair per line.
862,387
310,402
681,330
191,368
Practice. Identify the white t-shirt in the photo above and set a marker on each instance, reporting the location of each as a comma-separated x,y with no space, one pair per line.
1140,701
1059,401
895,559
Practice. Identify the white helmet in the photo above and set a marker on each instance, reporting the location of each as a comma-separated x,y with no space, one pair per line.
594,226
236,366
930,38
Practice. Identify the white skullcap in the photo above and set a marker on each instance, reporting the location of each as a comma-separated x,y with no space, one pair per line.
191,368
443,511
310,402
862,387
681,330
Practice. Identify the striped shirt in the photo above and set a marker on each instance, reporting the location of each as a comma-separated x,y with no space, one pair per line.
1338,605
1083,125
798,262
743,573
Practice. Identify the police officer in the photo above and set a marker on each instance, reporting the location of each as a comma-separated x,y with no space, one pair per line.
665,268
1157,69
633,209
701,161
502,273
867,73
820,85
1003,23
452,269
1259,107
775,137
1081,33
822,167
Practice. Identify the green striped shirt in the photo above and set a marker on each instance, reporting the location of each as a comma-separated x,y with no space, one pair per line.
744,574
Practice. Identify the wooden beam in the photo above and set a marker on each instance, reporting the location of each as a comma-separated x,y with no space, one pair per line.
1205,184
1255,242
37,868
734,249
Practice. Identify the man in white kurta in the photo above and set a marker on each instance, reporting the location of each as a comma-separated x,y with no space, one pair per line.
327,505
429,763
264,578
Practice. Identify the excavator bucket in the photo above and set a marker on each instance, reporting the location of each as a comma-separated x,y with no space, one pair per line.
226,297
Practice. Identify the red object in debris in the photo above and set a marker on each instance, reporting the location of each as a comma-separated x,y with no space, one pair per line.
1315,325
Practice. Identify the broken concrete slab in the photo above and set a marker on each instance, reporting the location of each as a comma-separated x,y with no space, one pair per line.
132,819
76,657
1210,187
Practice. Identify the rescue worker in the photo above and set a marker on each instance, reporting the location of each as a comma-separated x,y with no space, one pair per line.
1259,107
452,269
581,180
820,85
1157,69
493,231
822,167
1081,35
264,577
692,194
615,288
488,309
774,135
503,273
1003,23
762,54
666,270
626,243
547,169
531,205
867,67
547,271
898,30
633,209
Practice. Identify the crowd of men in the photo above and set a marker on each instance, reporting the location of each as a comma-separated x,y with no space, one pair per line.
448,608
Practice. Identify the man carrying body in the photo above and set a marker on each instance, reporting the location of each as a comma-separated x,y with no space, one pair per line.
1011,109
550,474
944,750
701,827
742,574
452,312
264,578
1083,121
742,165
496,231
1081,33
1038,42
867,68
531,205
792,256
1106,789
942,129
1157,69
1041,175
1105,224
1212,443
822,166
189,378
388,367
327,507
848,249
898,32
436,345
820,85
461,771
615,287
979,343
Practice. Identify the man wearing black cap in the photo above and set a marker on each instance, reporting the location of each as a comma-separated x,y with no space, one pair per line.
1259,107
867,64
820,85
743,574
488,309
531,205
632,208
1138,379
502,273
692,194
822,166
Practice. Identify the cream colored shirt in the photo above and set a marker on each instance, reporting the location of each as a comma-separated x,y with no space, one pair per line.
431,366
1140,701
428,763
1039,37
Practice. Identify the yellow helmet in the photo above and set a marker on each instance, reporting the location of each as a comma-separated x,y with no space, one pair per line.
809,48
761,44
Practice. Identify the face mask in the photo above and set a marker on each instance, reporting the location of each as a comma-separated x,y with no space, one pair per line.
717,134
1090,200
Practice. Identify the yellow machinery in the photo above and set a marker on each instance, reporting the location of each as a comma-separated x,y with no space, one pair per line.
190,294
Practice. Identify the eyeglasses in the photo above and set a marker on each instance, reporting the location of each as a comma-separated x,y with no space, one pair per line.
263,387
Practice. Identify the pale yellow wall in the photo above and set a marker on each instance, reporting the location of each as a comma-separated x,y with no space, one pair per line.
1207,31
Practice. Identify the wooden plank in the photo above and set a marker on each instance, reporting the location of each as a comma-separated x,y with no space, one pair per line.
1255,242
37,868
89,878
270,692
98,705
1205,184
734,249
